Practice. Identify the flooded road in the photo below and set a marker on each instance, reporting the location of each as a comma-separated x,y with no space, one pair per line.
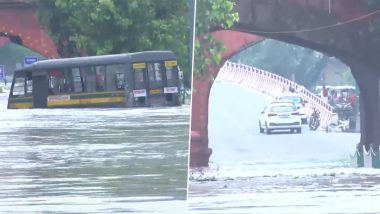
251,172
93,160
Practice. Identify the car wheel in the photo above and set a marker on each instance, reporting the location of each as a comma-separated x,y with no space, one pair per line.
299,130
261,129
267,130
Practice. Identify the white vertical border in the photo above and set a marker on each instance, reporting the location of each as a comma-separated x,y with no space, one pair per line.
329,6
192,16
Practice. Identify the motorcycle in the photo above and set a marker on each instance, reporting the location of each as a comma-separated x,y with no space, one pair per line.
314,120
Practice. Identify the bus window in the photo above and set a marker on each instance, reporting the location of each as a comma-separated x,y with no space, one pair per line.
89,74
171,76
115,77
171,72
56,82
139,78
100,78
68,85
139,69
155,75
120,81
19,87
60,82
29,83
77,79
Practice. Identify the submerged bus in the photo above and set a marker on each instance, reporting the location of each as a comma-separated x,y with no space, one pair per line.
143,79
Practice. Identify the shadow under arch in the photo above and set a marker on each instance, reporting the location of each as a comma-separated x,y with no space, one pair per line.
199,150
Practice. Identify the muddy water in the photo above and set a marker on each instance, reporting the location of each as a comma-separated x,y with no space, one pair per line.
93,160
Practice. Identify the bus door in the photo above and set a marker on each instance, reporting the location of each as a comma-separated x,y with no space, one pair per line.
172,83
40,89
140,85
156,83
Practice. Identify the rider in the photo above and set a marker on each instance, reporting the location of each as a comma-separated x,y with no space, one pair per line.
314,119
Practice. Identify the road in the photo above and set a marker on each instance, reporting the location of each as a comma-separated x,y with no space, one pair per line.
251,172
237,118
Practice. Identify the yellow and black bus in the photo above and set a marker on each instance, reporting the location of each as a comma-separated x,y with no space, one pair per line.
143,79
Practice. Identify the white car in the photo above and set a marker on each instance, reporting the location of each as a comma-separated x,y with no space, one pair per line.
298,100
280,116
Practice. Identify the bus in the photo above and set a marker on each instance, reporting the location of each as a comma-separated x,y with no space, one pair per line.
142,79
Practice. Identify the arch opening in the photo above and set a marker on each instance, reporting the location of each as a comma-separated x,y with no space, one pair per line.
235,106
363,74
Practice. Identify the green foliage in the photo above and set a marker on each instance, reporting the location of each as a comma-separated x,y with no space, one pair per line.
95,27
286,60
373,4
374,23
211,14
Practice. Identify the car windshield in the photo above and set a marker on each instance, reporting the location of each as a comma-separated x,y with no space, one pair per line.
293,99
281,109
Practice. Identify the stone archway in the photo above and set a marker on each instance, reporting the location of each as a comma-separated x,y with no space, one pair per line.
18,22
343,29
234,42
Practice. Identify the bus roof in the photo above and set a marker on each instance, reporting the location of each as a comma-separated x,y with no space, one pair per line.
99,60
343,87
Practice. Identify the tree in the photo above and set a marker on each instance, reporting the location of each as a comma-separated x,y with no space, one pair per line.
287,60
95,27
211,14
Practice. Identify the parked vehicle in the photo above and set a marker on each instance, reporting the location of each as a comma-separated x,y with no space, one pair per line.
314,120
344,110
300,103
280,116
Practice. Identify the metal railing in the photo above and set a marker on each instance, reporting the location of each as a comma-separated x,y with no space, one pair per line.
272,85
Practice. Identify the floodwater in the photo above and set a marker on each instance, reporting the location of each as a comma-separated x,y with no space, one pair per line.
93,160
311,172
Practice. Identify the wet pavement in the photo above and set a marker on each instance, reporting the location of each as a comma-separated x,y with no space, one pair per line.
249,172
